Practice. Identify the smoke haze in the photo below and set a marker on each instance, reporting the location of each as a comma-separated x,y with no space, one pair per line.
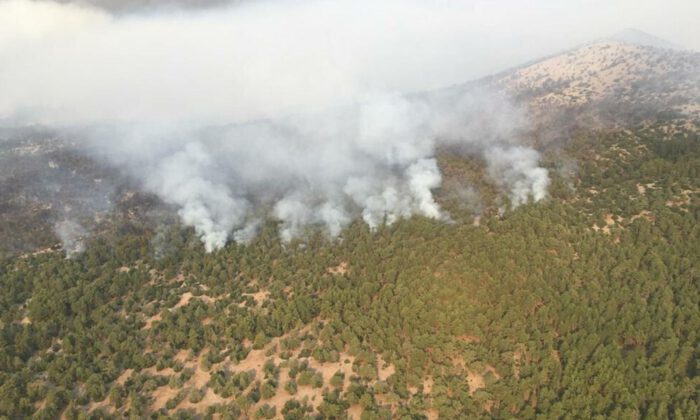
70,233
286,109
374,160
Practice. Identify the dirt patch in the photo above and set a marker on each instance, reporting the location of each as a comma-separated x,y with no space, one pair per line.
187,297
517,357
493,371
355,412
182,355
254,361
646,214
100,405
161,396
39,252
150,320
683,200
428,385
199,380
163,372
121,380
556,356
313,395
259,297
209,399
432,414
384,369
609,222
184,300
329,369
200,377
339,269
475,381
609,219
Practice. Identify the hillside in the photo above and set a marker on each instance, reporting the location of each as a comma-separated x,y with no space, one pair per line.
626,81
582,305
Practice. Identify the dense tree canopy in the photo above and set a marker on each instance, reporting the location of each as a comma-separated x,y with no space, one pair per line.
585,305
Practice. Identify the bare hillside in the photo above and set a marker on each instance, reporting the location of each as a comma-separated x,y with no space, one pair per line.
617,77
613,72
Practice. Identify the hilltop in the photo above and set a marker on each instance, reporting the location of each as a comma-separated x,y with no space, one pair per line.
637,37
612,79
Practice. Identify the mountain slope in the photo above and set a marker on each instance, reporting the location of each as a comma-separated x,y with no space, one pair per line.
609,72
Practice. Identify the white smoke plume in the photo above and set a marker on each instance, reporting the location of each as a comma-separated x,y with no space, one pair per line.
71,235
516,169
288,109
181,179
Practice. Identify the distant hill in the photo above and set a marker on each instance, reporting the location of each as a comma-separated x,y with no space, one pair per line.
618,78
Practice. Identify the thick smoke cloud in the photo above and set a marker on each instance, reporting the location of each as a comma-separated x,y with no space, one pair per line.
286,109
374,160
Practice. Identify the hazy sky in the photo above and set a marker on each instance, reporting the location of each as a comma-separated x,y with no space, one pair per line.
253,58
675,20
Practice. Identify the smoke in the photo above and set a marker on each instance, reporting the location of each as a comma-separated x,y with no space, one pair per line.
516,169
374,160
283,109
181,179
134,6
71,235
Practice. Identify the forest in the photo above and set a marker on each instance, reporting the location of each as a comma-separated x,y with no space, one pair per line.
584,305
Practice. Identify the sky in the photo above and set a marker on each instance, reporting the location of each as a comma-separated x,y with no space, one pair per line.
252,59
675,20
